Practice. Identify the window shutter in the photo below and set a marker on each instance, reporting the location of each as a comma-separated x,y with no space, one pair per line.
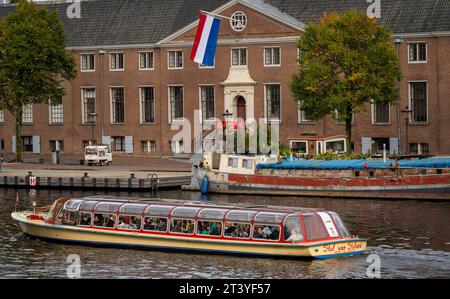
13,144
366,145
129,144
393,143
106,140
36,144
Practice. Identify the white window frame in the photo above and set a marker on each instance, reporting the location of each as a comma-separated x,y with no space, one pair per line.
417,61
410,106
200,102
301,121
372,105
81,63
272,56
82,88
178,120
265,103
23,113
141,106
149,148
111,106
153,61
325,142
2,116
300,141
175,60
110,59
239,57
50,114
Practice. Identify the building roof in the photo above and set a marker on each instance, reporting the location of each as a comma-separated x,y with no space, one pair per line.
137,22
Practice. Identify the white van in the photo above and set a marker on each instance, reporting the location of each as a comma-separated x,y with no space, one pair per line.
97,154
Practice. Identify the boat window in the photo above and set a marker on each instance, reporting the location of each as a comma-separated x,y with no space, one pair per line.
129,222
156,210
132,209
314,227
237,230
73,204
104,220
213,214
84,219
247,163
340,225
266,232
233,162
243,216
69,217
209,228
182,226
156,224
184,212
87,205
111,207
266,217
293,229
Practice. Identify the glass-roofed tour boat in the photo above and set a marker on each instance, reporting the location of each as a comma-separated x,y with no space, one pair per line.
193,226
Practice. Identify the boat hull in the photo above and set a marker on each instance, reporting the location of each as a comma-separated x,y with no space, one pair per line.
90,236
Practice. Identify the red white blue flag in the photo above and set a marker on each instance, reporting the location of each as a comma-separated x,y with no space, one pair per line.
205,42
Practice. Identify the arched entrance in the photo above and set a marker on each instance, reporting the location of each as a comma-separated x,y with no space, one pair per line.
241,107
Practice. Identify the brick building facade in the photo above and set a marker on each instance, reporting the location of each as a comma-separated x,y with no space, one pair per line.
135,78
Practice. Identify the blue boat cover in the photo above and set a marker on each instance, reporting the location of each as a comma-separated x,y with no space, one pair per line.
355,164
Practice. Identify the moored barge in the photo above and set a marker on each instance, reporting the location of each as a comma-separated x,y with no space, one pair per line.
194,226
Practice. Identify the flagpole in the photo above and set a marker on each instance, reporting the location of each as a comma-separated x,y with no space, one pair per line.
214,14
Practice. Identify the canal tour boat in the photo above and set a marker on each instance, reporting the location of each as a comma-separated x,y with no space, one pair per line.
366,178
272,231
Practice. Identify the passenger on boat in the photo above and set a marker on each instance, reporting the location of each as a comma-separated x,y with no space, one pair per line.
147,224
86,220
135,222
275,235
162,225
111,221
258,233
295,235
230,231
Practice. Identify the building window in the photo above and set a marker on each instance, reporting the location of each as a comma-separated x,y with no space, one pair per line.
207,98
56,145
116,61
272,57
27,114
146,61
2,145
418,52
273,97
238,21
418,148
57,114
118,143
87,62
378,145
175,59
418,102
176,102
303,117
238,57
2,116
148,146
27,143
147,104
118,105
381,113
335,146
300,147
88,107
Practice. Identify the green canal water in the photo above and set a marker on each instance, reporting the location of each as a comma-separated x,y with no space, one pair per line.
411,239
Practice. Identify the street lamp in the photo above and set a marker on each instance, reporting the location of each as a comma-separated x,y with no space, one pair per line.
92,115
101,52
407,113
398,41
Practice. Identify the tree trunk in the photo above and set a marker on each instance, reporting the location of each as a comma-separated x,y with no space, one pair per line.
18,117
348,128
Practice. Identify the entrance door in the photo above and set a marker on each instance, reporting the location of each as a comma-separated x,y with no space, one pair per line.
241,108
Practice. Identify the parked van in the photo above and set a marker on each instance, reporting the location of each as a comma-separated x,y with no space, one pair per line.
97,154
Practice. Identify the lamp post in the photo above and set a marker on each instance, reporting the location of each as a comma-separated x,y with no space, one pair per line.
92,115
101,52
397,42
407,113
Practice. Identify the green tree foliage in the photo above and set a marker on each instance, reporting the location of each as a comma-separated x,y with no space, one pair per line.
33,61
345,61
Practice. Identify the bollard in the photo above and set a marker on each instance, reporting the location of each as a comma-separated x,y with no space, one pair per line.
85,175
133,176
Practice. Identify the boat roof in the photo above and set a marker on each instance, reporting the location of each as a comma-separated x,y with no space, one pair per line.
355,164
199,204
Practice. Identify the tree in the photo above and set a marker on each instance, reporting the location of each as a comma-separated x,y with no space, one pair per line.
33,61
345,61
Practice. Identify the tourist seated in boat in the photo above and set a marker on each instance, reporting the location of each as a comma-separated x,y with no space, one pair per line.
295,235
105,220
85,219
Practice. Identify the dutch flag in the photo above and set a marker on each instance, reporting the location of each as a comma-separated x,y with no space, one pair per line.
205,43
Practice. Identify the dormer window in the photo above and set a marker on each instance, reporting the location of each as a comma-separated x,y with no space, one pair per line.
238,21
